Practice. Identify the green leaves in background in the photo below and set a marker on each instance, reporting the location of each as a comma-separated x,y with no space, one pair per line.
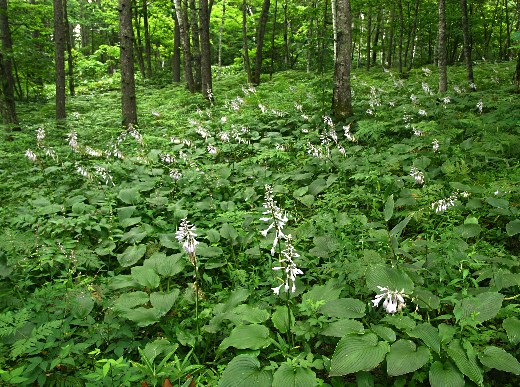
252,336
288,375
478,309
131,255
404,357
388,277
445,375
245,371
498,358
512,327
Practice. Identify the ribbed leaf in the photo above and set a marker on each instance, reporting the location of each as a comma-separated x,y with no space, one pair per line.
404,358
244,371
145,276
81,305
280,319
388,277
467,364
357,353
131,300
389,208
481,308
163,302
494,357
384,332
512,327
129,196
469,230
253,336
426,299
513,227
445,375
248,314
317,186
343,327
131,255
289,376
166,266
428,334
327,292
142,316
344,308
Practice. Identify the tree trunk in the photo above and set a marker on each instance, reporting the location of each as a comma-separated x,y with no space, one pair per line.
413,34
441,44
516,77
467,43
59,45
195,34
220,32
147,44
391,37
342,98
334,26
128,98
137,43
260,41
205,51
369,38
7,102
245,48
176,60
376,36
182,18
401,33
286,36
70,59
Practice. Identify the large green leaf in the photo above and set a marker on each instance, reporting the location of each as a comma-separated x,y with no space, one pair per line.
389,208
445,375
384,332
129,195
166,266
245,371
131,255
82,304
252,336
494,357
163,302
388,277
478,309
145,276
343,327
134,235
404,358
142,316
317,186
428,334
512,327
358,353
323,293
288,376
280,319
344,308
513,227
466,362
469,230
131,300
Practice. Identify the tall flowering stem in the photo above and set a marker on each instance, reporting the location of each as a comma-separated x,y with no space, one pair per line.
186,236
276,218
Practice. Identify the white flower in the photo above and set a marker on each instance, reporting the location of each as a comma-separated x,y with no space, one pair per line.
30,155
223,119
417,175
417,132
212,150
72,139
262,108
175,174
480,106
186,235
276,217
40,134
435,145
422,112
288,266
394,300
443,204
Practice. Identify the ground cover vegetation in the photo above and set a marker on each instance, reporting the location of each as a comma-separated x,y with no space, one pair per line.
253,233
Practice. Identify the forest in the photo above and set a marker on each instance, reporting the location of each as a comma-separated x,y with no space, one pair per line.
243,193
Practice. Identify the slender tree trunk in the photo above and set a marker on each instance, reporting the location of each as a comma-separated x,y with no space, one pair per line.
70,58
245,48
467,43
413,34
260,41
342,97
442,54
309,38
185,39
7,102
272,39
59,45
205,51
128,98
401,33
516,77
137,42
220,32
390,53
147,44
507,51
286,36
195,39
176,60
369,38
376,35
334,26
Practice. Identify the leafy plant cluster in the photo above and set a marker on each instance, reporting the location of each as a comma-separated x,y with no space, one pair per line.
393,238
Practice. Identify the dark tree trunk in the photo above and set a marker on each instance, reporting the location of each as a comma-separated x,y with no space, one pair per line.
182,18
128,98
205,51
70,59
137,42
195,33
390,53
271,69
413,32
376,36
60,46
245,48
441,44
147,44
369,38
286,37
176,60
342,97
260,41
7,102
467,43
401,33
516,77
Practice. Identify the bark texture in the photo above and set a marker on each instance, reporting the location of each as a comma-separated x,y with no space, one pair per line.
441,44
182,18
60,45
7,102
467,43
260,41
128,98
205,51
342,96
